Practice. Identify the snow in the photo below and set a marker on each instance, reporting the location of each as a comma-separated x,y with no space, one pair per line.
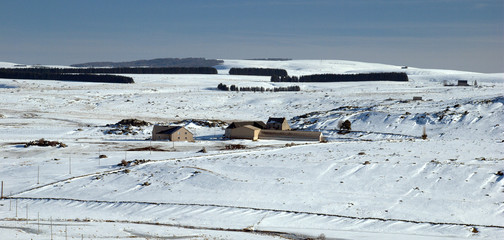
380,181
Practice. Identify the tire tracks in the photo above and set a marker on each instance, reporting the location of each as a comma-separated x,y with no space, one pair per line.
268,210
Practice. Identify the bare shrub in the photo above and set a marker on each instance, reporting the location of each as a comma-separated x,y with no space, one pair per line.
123,163
44,143
424,134
234,146
345,125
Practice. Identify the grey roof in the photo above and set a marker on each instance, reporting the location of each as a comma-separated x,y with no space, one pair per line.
257,124
276,120
170,130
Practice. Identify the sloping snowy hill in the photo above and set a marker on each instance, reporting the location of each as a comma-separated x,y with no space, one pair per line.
378,181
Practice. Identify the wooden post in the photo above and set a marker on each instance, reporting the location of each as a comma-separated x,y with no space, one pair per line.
27,213
38,223
1,195
70,166
16,208
38,174
51,230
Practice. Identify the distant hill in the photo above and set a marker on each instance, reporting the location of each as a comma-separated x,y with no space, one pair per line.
158,62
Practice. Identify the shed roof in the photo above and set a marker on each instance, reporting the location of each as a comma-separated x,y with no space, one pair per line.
290,135
171,130
276,120
257,124
251,127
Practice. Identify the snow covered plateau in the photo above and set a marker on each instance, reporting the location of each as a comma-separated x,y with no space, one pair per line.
379,181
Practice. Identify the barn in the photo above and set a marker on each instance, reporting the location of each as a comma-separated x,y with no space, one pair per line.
172,133
275,129
277,124
291,135
235,129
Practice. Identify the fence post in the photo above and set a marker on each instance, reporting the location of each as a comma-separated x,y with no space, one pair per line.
1,195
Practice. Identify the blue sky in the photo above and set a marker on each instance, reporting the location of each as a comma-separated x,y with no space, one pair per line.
449,34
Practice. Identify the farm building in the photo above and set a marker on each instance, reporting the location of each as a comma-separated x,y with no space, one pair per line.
290,135
276,128
232,133
172,133
462,83
244,132
277,124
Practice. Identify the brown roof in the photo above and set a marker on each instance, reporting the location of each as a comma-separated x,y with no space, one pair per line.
276,120
170,130
257,124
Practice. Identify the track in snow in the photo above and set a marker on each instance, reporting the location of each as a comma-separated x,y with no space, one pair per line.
262,210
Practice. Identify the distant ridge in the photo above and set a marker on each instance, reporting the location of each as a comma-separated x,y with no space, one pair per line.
158,62
270,59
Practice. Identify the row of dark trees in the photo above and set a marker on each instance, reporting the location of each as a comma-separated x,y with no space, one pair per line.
118,70
158,62
224,87
382,76
258,71
65,77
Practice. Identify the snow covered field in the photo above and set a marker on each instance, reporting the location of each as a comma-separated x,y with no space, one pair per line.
380,181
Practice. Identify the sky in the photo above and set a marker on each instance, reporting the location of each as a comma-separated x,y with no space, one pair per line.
444,34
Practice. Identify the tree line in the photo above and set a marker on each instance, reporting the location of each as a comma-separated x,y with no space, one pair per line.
118,70
258,71
65,77
158,62
382,76
224,87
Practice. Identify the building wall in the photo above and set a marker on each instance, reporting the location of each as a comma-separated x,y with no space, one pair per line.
249,132
278,126
155,133
285,126
182,135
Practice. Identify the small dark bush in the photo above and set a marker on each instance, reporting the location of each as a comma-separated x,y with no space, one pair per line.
102,156
234,146
133,122
345,125
44,143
